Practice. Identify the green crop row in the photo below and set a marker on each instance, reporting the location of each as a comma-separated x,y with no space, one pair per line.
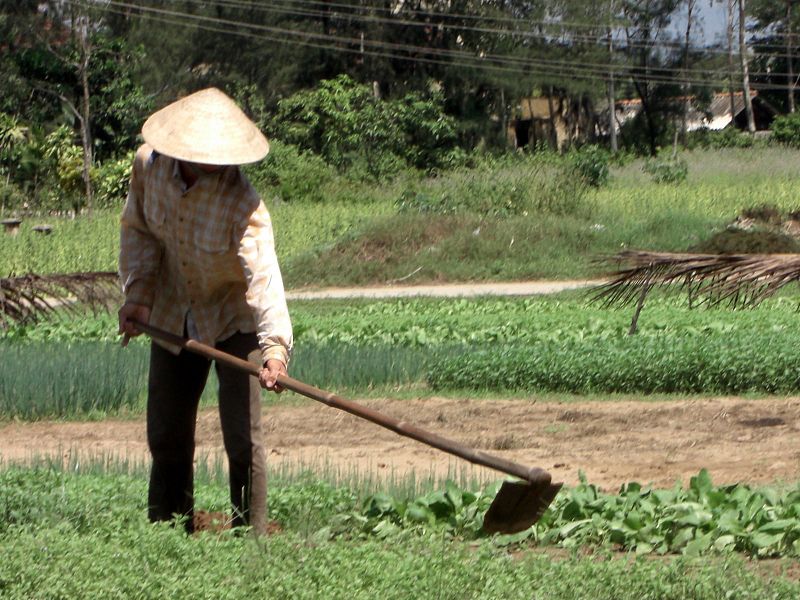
759,362
40,380
698,519
482,322
692,521
70,535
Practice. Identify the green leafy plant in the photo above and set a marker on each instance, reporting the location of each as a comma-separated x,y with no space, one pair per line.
110,180
667,168
591,163
346,124
786,129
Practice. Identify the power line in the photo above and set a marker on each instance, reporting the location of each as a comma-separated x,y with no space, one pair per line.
598,40
535,67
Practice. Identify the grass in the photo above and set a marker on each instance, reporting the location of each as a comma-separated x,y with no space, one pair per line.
91,243
631,212
359,237
77,533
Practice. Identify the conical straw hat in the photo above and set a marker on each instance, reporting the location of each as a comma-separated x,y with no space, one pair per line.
206,127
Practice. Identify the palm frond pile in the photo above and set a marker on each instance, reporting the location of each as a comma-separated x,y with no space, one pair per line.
31,297
739,280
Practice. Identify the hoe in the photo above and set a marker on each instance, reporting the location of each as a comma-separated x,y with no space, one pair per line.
518,504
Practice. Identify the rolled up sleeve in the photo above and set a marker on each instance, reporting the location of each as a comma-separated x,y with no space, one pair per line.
265,293
140,252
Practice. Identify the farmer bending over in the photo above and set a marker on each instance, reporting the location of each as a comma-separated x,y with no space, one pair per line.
197,259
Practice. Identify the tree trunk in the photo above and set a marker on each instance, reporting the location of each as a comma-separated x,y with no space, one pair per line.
729,19
612,107
748,102
86,134
685,86
553,133
789,65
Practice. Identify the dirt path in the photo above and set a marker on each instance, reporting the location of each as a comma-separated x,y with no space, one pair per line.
754,441
449,290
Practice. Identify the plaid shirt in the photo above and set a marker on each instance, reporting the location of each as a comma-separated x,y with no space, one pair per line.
203,255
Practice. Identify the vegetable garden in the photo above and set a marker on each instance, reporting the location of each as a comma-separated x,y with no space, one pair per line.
676,443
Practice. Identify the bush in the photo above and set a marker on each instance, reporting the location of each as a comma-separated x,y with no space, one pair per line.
11,197
110,180
667,169
591,163
786,129
730,137
503,187
290,174
343,122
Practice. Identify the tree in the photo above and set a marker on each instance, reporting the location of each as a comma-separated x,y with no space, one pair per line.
650,78
774,24
748,101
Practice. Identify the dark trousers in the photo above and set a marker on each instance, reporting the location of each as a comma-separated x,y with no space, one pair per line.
174,389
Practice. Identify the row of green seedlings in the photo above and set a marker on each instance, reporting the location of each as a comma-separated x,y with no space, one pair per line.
696,520
41,380
432,323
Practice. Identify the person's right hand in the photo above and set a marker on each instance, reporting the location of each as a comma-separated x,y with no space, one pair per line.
129,311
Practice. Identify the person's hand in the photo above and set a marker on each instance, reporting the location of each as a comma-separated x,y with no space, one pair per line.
268,378
130,311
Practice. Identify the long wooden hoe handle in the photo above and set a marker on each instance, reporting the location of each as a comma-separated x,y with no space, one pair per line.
534,475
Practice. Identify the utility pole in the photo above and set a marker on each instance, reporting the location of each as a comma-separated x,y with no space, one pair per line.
748,102
686,103
729,22
612,106
86,133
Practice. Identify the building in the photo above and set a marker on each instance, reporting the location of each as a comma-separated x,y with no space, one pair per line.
715,116
556,121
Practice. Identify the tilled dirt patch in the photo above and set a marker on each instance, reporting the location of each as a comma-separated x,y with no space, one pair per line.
612,442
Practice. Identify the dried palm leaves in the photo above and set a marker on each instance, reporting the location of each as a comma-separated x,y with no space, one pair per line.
740,280
31,297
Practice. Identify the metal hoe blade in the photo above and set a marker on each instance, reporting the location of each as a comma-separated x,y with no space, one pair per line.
518,505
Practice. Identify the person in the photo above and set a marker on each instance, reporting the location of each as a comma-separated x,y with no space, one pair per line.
197,259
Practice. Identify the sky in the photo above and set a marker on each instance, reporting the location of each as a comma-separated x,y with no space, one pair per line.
712,26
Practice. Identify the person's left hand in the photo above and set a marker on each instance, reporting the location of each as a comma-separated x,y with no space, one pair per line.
268,378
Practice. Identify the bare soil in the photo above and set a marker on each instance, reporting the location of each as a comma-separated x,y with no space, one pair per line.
612,442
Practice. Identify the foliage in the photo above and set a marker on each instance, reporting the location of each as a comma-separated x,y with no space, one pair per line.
91,242
591,163
786,129
730,137
498,188
110,180
289,174
78,378
535,344
667,168
431,323
698,520
354,236
65,158
344,122
72,534
71,379
728,364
